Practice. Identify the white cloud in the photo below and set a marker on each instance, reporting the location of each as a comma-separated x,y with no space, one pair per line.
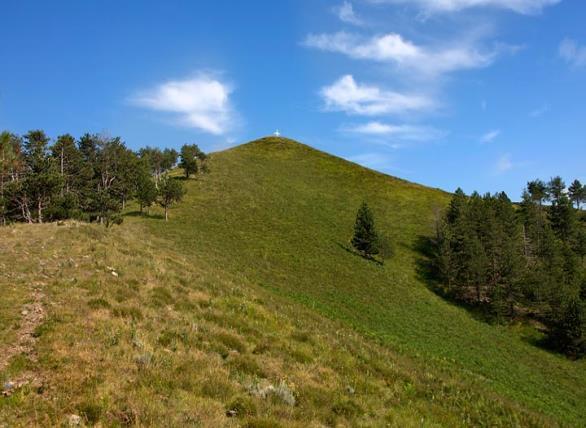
504,163
202,102
398,132
526,7
353,98
538,112
573,53
394,49
345,13
490,136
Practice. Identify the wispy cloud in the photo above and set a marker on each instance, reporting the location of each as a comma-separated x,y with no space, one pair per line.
346,13
361,99
399,132
392,48
573,53
504,163
540,111
527,7
490,136
201,102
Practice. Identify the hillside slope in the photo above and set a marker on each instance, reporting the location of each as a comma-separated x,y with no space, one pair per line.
280,214
247,309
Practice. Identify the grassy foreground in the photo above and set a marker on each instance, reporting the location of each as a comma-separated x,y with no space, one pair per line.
247,309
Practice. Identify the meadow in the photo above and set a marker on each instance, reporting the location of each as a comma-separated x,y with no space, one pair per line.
248,308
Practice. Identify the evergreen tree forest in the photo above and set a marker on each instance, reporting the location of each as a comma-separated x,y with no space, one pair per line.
89,179
520,261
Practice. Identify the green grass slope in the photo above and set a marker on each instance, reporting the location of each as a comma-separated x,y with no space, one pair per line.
246,309
279,214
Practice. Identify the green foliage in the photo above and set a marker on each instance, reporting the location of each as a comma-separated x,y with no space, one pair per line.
90,179
190,153
365,238
488,255
568,330
577,193
146,190
171,191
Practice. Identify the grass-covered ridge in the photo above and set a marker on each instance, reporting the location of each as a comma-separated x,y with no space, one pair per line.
280,214
248,298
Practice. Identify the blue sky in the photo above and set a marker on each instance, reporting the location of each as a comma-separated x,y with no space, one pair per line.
482,94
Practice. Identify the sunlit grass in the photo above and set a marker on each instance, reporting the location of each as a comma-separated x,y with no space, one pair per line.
248,297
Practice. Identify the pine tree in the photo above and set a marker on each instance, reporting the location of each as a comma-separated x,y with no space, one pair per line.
576,193
555,188
567,333
365,239
537,189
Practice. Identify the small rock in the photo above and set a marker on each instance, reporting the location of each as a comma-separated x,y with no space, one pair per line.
231,413
114,273
350,390
8,388
74,420
24,312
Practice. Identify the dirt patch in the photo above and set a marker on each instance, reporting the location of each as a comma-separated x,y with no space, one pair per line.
32,316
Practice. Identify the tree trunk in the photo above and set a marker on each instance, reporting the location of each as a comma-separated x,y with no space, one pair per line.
166,214
40,211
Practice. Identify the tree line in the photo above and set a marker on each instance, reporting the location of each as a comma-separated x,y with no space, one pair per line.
91,178
519,260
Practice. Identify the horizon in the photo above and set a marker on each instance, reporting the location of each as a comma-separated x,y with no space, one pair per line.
447,94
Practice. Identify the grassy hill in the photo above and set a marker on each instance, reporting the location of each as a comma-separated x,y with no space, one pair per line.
248,309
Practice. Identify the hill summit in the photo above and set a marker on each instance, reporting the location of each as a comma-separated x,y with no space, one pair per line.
248,308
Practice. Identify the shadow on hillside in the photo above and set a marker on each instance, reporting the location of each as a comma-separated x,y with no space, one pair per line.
143,215
356,254
426,272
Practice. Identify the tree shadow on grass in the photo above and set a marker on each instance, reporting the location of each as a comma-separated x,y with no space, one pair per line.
427,273
357,254
143,215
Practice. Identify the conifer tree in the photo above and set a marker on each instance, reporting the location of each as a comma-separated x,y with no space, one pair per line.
577,192
537,189
365,239
567,333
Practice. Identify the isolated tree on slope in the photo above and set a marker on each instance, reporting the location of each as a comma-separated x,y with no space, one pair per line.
189,155
170,192
365,238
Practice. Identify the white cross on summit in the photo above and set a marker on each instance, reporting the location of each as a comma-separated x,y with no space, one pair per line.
277,133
